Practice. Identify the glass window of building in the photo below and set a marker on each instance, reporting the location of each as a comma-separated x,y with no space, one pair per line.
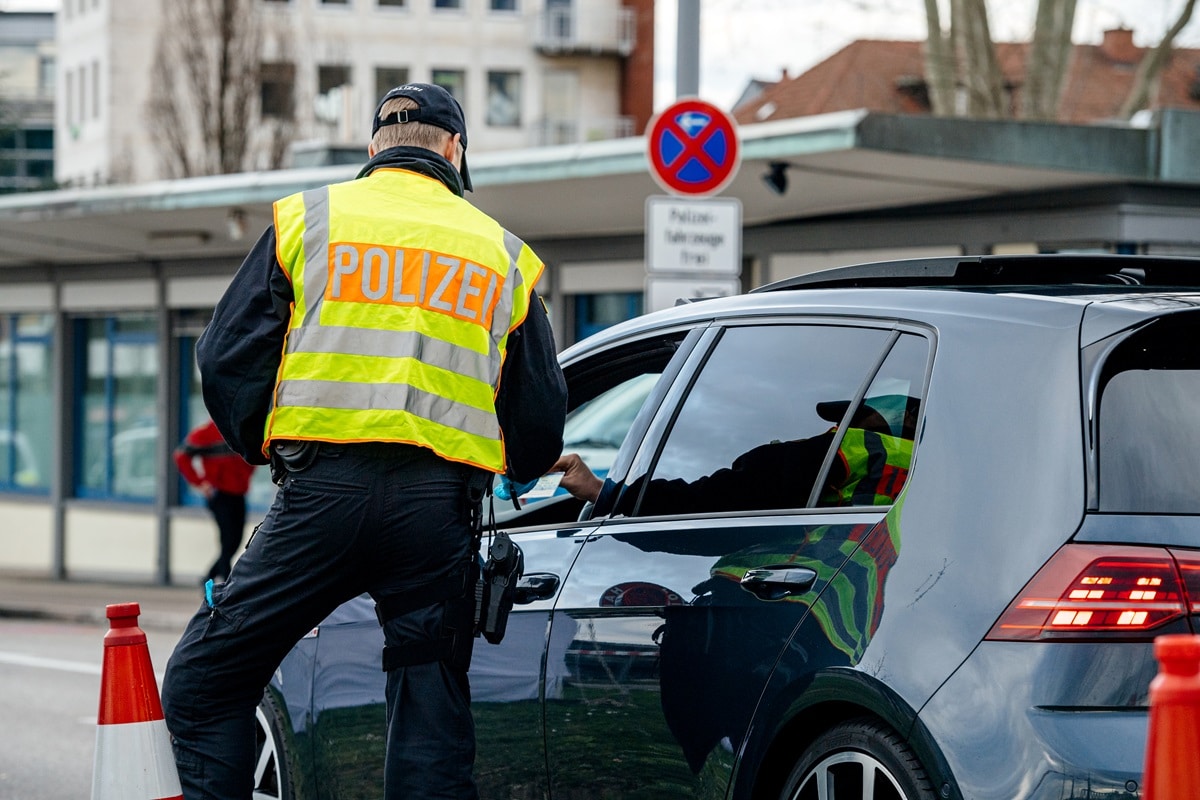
278,81
447,3
504,99
392,3
39,139
333,81
388,78
116,406
453,81
40,168
595,312
559,21
504,5
26,402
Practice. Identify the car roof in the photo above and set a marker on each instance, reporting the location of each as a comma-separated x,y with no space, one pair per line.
1058,270
1131,288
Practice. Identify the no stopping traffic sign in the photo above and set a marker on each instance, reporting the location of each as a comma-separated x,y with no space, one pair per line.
693,148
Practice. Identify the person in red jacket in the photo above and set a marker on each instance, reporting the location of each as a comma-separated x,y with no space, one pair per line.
223,479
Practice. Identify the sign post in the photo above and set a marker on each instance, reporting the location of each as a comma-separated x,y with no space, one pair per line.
693,242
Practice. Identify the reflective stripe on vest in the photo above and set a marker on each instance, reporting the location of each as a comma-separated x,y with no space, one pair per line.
391,340
876,467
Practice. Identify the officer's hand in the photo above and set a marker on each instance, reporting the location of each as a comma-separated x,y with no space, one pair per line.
577,478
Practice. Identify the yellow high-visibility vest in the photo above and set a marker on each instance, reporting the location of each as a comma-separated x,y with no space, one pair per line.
405,295
876,466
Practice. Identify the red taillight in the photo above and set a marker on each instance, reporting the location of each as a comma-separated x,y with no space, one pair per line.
1096,592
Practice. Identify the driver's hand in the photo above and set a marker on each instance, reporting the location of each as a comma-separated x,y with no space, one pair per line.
577,478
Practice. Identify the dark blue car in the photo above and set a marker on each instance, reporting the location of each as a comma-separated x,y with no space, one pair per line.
903,530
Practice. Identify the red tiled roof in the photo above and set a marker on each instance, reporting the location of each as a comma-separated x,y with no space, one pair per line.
888,76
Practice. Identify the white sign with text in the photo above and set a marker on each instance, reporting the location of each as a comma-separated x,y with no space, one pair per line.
693,237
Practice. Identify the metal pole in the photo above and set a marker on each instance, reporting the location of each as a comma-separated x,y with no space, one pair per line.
687,49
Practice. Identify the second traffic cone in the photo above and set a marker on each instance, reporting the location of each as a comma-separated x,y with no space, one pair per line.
1172,768
133,749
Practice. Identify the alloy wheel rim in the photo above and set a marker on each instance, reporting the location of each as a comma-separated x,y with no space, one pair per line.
849,774
266,764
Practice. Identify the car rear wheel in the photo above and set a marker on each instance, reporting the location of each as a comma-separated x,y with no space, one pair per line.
271,777
858,760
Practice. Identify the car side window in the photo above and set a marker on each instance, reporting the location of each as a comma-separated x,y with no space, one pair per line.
871,461
754,430
606,392
1147,430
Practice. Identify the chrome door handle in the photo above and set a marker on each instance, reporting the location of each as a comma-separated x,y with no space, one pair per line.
778,581
535,586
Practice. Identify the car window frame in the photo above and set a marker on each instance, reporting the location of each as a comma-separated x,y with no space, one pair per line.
644,458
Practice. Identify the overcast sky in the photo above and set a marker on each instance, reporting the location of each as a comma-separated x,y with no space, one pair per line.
745,39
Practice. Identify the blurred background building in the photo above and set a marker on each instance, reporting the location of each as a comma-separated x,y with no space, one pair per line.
264,84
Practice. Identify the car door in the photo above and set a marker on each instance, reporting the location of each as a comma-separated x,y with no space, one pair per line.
611,397
711,550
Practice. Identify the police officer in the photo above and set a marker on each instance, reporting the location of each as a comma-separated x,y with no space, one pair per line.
383,348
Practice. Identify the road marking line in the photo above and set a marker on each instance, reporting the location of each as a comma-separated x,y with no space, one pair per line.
24,660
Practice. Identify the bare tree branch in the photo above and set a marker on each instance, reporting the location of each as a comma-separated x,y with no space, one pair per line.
1151,67
203,110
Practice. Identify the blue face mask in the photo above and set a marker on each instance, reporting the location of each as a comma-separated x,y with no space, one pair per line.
507,490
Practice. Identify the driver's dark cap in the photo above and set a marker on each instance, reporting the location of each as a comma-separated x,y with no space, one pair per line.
435,106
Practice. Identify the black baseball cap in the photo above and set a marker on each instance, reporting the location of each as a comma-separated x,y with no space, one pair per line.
435,106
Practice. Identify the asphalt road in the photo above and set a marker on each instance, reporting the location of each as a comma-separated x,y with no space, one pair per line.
49,694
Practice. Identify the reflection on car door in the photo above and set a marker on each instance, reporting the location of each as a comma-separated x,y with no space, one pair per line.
711,555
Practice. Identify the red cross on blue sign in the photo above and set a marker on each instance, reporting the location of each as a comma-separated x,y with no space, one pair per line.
693,148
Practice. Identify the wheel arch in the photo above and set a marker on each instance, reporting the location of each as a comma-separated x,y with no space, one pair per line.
830,699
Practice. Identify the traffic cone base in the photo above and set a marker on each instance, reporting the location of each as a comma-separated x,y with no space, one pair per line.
133,758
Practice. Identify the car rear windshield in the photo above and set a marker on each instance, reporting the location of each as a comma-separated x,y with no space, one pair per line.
1148,426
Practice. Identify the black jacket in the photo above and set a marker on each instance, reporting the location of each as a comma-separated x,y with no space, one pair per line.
239,353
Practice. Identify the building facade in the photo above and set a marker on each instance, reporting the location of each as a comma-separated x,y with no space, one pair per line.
528,73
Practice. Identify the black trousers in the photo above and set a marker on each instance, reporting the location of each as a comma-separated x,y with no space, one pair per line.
229,511
376,518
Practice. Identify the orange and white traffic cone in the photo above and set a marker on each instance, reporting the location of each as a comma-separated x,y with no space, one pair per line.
133,749
1172,767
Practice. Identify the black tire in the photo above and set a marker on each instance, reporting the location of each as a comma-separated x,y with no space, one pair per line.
272,764
861,759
